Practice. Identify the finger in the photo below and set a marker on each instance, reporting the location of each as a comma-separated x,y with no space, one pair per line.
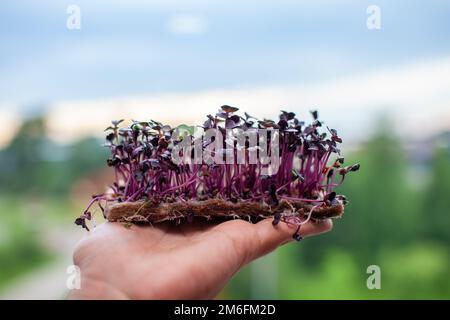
271,237
251,241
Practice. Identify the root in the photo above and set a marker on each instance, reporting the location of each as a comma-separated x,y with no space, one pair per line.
141,211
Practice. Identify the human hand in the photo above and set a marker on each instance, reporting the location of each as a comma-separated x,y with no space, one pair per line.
167,261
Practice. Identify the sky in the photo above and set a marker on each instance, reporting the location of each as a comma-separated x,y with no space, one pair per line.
155,56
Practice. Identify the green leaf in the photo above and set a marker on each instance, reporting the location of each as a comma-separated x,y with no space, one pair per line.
183,128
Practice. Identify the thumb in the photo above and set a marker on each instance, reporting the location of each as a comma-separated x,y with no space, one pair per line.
271,237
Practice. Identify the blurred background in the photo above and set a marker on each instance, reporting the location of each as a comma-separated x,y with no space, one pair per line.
69,67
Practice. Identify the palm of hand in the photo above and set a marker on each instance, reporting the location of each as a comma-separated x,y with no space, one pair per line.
188,261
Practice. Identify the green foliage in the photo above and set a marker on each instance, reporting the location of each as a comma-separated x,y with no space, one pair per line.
436,218
34,164
20,248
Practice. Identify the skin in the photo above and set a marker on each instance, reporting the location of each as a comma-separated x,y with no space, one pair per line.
166,261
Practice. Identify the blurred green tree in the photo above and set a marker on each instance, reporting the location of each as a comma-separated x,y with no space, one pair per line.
436,212
32,163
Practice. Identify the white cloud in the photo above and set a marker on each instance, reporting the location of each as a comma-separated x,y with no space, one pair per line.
186,24
416,97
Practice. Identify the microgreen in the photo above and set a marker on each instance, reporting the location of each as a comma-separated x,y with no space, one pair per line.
141,157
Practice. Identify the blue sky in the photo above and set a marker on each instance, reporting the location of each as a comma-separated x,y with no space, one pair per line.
129,47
